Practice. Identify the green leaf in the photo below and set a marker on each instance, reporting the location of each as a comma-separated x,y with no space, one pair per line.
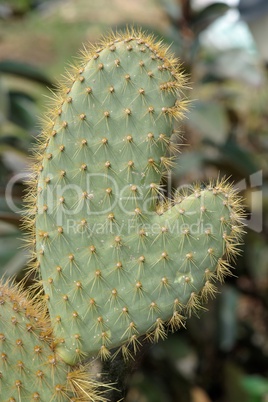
173,9
11,204
24,70
235,64
256,387
23,109
208,15
210,119
13,258
238,156
187,162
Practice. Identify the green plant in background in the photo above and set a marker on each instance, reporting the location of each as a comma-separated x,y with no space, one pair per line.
114,258
20,87
19,8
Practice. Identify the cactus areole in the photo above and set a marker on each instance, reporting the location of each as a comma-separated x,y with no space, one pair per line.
117,260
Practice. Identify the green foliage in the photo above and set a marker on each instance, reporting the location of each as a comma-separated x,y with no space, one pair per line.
20,84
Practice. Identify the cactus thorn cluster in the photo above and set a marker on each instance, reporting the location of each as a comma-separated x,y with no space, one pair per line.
30,368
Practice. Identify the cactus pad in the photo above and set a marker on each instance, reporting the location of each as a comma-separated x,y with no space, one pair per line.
117,260
30,369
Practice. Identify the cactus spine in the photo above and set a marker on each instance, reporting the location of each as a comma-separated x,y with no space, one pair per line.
115,259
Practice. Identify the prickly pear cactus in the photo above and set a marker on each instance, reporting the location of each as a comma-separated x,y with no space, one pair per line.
117,260
30,369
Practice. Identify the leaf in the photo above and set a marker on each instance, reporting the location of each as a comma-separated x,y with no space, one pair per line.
256,387
173,10
229,158
207,15
235,64
210,119
3,101
240,157
14,139
23,109
187,162
14,159
13,258
11,204
24,70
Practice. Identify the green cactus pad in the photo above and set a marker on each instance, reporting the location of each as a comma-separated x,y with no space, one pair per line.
117,261
30,369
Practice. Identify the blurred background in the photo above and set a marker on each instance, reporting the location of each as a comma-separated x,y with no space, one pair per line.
222,356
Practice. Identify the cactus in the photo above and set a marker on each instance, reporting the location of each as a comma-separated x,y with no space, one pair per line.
117,260
30,368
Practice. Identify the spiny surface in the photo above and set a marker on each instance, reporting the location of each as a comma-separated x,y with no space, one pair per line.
117,262
30,369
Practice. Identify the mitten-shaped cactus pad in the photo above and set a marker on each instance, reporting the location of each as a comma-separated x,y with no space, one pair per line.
30,369
117,261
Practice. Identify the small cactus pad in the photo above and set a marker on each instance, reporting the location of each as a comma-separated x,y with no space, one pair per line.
117,261
30,369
